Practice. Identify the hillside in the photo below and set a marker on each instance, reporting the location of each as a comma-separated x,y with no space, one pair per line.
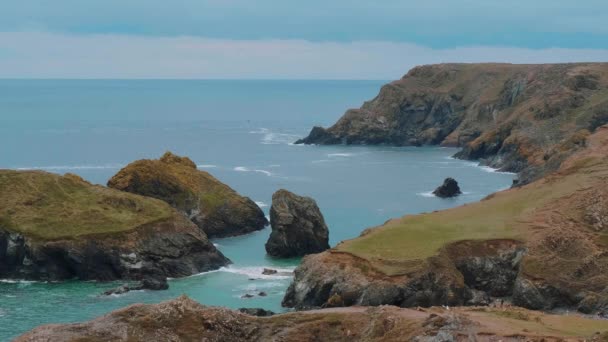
519,118
542,245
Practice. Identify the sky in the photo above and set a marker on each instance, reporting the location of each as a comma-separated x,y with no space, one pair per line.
312,39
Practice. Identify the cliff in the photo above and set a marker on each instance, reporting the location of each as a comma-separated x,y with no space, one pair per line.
212,205
62,227
185,320
542,245
519,118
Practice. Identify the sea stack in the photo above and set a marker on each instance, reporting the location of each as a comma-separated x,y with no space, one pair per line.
449,188
212,205
298,227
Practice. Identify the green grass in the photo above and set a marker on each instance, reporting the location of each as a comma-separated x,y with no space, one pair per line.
50,206
401,245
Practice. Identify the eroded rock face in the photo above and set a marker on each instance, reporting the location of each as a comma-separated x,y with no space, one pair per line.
449,188
512,117
61,227
174,248
212,205
298,227
334,279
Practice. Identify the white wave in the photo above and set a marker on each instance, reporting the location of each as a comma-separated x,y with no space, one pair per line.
255,272
244,169
426,194
255,287
260,131
206,166
320,161
71,167
278,138
331,155
261,204
19,281
493,170
217,245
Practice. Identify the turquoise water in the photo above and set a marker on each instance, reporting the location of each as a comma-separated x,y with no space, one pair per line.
240,131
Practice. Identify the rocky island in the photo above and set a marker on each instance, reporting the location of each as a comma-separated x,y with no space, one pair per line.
56,227
212,205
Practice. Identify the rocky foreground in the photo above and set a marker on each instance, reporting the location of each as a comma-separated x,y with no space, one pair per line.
185,320
542,246
212,205
519,118
56,227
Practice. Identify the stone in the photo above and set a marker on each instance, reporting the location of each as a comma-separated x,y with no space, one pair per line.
259,312
268,271
298,227
449,188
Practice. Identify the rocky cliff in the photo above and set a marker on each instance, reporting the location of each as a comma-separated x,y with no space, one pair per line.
212,205
185,320
520,118
542,245
61,227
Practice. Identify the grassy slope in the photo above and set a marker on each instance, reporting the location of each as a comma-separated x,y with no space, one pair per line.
196,187
401,244
50,206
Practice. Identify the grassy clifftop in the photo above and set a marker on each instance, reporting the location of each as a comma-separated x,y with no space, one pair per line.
543,245
559,218
49,206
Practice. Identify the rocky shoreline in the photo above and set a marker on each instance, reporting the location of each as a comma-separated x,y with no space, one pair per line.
538,246
518,118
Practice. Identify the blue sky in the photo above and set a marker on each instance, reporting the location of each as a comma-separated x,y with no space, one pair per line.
37,35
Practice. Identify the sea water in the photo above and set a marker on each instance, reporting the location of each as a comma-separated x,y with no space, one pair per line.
242,132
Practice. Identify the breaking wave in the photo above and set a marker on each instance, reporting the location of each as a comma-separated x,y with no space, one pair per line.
245,169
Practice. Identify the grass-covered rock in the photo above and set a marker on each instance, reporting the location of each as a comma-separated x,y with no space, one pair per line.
212,205
62,227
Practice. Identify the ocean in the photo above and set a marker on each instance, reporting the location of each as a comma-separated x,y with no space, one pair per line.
242,132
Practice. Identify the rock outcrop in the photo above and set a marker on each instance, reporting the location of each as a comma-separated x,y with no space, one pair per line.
212,205
519,118
543,245
449,188
61,227
185,320
298,227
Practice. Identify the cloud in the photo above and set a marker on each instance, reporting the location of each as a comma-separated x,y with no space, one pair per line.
58,55
436,23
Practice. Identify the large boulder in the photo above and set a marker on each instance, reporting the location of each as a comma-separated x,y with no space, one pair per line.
298,227
449,188
212,205
62,227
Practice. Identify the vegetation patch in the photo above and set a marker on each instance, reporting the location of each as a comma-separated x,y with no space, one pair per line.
50,206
